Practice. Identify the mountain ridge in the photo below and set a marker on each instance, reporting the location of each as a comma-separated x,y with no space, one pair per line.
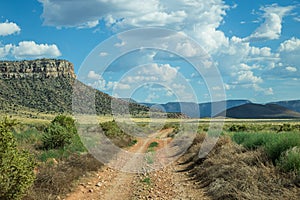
46,85
259,111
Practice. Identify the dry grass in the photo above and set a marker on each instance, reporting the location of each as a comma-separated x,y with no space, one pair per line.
232,172
55,179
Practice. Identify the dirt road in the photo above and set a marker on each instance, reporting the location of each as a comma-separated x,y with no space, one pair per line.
113,184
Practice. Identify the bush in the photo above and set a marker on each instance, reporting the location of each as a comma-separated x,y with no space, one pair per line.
66,122
276,146
56,136
59,133
16,167
237,128
112,130
290,160
281,143
153,144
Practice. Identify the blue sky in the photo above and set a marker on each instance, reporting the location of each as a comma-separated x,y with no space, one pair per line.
252,47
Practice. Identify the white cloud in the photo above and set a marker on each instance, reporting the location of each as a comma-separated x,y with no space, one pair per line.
8,28
289,51
93,75
29,49
120,44
272,26
187,49
151,97
151,73
103,54
89,24
122,86
169,93
297,19
290,45
5,50
200,19
291,69
216,88
100,83
246,77
163,72
269,91
229,87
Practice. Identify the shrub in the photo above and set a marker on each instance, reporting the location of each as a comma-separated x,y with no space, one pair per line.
237,128
290,160
275,145
112,130
153,144
280,143
59,133
56,137
66,122
16,167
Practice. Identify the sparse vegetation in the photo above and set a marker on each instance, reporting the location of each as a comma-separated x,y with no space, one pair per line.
147,180
153,145
113,131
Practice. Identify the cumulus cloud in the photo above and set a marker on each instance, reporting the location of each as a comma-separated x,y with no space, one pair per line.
93,75
5,50
269,91
289,52
152,73
29,49
238,60
246,77
272,26
8,28
291,69
290,45
103,54
100,83
89,24
199,19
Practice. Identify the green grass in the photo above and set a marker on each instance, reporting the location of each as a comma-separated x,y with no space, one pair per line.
147,180
290,160
153,145
133,142
278,147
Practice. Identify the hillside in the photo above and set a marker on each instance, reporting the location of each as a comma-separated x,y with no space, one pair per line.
292,105
205,109
46,85
258,111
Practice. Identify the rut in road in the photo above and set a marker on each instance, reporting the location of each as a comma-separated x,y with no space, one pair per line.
114,184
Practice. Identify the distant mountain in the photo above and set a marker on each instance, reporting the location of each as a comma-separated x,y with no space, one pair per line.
46,85
259,111
292,105
205,109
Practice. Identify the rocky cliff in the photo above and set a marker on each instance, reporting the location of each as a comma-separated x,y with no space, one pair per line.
41,68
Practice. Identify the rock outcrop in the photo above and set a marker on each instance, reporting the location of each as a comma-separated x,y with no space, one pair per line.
41,68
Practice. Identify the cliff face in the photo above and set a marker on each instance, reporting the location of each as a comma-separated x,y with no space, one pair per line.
41,68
